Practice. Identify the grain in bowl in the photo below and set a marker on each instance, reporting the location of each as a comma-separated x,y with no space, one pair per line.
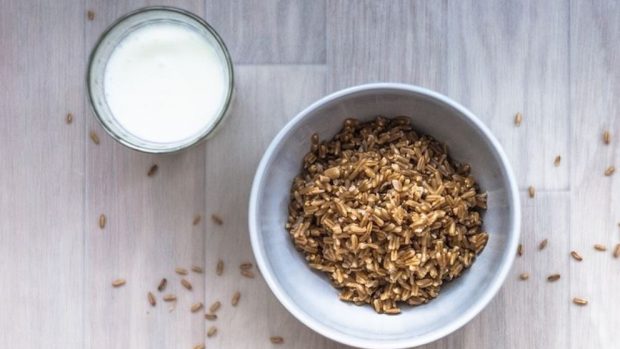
386,214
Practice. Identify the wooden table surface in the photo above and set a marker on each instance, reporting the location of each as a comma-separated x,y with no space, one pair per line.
556,61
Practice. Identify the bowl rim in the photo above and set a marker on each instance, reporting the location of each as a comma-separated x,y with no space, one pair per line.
453,325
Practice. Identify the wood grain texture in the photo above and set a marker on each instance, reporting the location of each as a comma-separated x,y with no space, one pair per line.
41,174
556,61
266,98
523,307
271,31
595,86
149,232
396,41
506,57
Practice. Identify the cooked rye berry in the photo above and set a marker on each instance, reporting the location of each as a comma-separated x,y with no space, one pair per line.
606,137
195,307
152,171
276,339
386,214
518,119
580,301
235,298
247,273
576,256
217,219
151,299
215,307
102,221
219,268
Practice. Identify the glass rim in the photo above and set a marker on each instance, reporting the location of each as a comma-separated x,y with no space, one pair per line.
229,93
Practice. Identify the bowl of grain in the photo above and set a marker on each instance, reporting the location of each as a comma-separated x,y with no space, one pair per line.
384,216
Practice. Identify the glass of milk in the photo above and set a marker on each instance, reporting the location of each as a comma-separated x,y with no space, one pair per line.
160,79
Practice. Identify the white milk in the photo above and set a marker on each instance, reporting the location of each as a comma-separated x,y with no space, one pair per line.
165,83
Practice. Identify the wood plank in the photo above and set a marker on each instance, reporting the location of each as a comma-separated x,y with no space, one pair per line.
41,181
149,231
396,41
532,313
595,85
502,57
496,57
506,57
232,158
271,31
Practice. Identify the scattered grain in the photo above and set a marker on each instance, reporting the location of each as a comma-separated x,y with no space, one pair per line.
333,172
246,266
606,137
180,271
235,299
118,282
199,346
609,171
94,137
196,269
69,118
186,284
162,285
576,256
314,139
543,244
247,273
580,301
392,311
102,221
212,331
276,339
217,219
617,251
553,277
196,306
215,307
152,171
197,219
219,269
600,247
170,298
520,250
518,119
151,299
211,317
531,191
557,160
524,276
90,14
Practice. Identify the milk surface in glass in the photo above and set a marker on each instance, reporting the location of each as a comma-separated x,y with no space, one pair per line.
165,82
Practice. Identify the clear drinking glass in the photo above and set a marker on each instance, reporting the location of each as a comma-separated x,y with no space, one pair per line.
106,45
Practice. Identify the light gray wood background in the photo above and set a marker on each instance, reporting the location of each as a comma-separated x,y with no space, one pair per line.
556,61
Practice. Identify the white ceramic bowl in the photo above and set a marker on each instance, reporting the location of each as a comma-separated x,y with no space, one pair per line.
307,294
